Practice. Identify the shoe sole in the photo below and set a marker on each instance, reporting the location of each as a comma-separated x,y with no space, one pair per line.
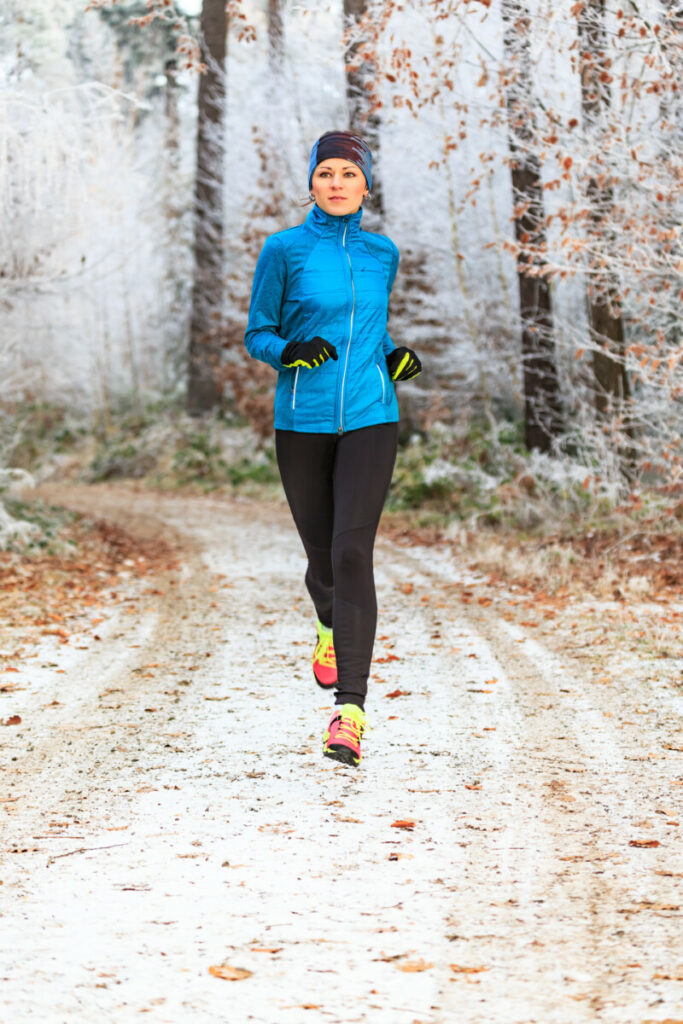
325,686
342,754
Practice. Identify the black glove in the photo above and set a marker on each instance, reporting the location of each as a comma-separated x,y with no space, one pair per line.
308,353
403,364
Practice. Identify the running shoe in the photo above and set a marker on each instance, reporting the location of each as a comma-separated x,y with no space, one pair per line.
324,660
342,736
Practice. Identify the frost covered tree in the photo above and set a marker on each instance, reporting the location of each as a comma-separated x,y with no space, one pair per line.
607,326
364,109
203,388
542,404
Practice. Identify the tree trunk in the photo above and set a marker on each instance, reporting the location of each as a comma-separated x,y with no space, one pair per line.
275,40
607,329
542,403
203,391
363,120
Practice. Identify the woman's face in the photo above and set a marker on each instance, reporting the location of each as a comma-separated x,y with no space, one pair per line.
338,186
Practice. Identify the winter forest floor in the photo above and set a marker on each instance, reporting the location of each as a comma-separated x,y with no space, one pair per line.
509,850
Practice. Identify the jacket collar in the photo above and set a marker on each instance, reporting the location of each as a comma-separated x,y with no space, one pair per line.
327,224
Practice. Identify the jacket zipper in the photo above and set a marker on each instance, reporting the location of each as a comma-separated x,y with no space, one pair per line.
296,381
381,377
348,347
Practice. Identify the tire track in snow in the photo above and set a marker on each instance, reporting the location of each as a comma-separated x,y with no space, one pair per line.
583,904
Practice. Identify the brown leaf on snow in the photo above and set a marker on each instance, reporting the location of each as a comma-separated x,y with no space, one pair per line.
400,856
398,693
412,966
645,905
266,949
460,969
387,658
12,720
643,843
474,785
406,588
229,973
405,823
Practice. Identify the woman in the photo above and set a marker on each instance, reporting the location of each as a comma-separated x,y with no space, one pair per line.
318,315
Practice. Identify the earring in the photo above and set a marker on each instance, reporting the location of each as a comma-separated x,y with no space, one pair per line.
311,196
368,195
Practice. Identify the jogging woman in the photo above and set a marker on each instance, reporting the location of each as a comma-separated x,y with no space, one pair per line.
318,315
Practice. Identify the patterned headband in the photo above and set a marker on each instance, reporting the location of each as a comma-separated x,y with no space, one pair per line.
345,146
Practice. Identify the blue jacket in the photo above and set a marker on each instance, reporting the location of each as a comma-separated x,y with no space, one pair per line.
330,279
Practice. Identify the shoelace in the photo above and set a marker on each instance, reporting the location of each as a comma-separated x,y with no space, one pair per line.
349,729
325,654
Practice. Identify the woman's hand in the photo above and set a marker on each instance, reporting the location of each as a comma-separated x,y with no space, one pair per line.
308,353
403,364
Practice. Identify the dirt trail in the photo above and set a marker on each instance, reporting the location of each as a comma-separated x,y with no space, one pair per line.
166,807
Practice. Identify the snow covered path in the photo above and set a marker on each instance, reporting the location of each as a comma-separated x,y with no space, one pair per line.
166,808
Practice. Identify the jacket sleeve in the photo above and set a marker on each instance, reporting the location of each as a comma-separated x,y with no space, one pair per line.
387,343
262,339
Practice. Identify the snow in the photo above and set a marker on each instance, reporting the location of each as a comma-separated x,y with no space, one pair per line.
172,811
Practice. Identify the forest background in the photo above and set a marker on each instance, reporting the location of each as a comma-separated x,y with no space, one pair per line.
528,165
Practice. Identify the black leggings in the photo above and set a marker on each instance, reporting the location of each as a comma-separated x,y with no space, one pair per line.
336,486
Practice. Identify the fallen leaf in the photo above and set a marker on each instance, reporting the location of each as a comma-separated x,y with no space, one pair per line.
406,588
460,969
406,824
387,658
474,785
12,720
266,949
643,843
229,973
397,693
412,966
400,856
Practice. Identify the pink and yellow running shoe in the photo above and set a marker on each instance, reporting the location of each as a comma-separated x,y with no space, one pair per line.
342,736
324,660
